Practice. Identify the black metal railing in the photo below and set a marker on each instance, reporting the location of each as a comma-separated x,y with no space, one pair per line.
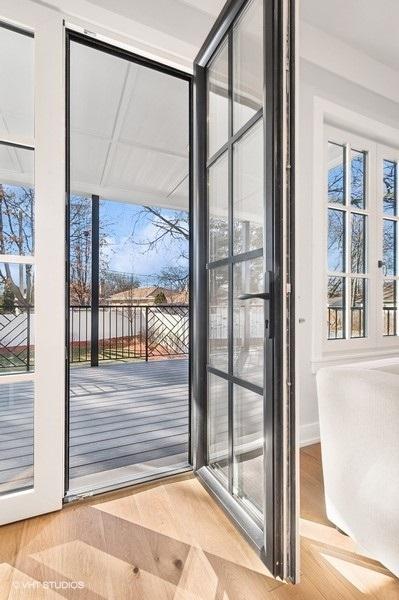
336,322
16,339
129,332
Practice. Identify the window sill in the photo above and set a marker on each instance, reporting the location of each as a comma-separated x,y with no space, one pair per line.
331,359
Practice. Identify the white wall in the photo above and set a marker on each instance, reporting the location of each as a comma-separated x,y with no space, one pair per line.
369,96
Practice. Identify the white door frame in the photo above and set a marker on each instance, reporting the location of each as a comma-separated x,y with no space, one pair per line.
49,262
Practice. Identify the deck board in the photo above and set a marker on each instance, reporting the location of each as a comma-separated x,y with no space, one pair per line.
121,414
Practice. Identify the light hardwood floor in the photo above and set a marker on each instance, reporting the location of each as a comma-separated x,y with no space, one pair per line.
169,540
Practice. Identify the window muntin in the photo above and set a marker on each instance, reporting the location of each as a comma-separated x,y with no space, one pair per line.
347,216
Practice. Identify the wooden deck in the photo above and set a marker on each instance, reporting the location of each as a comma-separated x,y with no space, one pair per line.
126,419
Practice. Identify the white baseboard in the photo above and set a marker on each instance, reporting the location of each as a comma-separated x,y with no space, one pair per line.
309,434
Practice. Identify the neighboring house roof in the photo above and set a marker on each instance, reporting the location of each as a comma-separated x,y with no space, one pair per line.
149,294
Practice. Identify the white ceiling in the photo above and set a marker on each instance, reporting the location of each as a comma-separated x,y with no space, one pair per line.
188,20
370,26
129,131
171,31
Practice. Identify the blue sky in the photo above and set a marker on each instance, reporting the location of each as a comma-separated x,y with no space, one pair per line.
127,257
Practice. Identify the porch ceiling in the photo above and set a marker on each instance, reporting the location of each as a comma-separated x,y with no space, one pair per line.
129,131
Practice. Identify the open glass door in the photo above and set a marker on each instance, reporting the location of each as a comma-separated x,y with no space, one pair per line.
243,394
31,261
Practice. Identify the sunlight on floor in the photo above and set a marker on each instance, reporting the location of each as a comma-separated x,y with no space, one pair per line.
326,534
366,578
155,510
351,563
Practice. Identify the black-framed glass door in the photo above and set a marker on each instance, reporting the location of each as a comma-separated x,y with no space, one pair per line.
241,310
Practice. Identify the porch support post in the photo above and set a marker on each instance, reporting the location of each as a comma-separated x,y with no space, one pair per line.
95,277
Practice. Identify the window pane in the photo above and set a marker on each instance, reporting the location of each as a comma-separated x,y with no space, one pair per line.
248,326
218,209
16,200
218,103
336,240
336,308
247,64
389,179
16,76
248,446
358,179
389,247
218,437
217,318
248,201
358,243
358,308
389,307
16,318
16,434
336,173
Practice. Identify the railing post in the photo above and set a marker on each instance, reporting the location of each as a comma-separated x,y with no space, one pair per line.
95,277
28,339
146,333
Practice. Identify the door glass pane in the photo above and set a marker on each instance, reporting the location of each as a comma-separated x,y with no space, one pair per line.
16,200
248,322
17,89
358,307
16,435
389,181
389,307
218,318
358,179
218,209
248,212
336,308
248,447
16,318
336,240
358,243
248,64
218,102
336,173
218,436
389,247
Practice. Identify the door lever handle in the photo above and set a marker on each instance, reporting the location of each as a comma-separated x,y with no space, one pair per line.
261,295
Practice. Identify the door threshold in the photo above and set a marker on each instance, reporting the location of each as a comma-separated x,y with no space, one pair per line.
83,493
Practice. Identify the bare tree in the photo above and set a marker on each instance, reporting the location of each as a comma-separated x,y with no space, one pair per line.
174,277
113,282
80,246
17,237
170,227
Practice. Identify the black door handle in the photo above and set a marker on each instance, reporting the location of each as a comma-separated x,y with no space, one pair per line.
261,295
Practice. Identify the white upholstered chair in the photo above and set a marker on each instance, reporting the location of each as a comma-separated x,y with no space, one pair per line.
359,428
